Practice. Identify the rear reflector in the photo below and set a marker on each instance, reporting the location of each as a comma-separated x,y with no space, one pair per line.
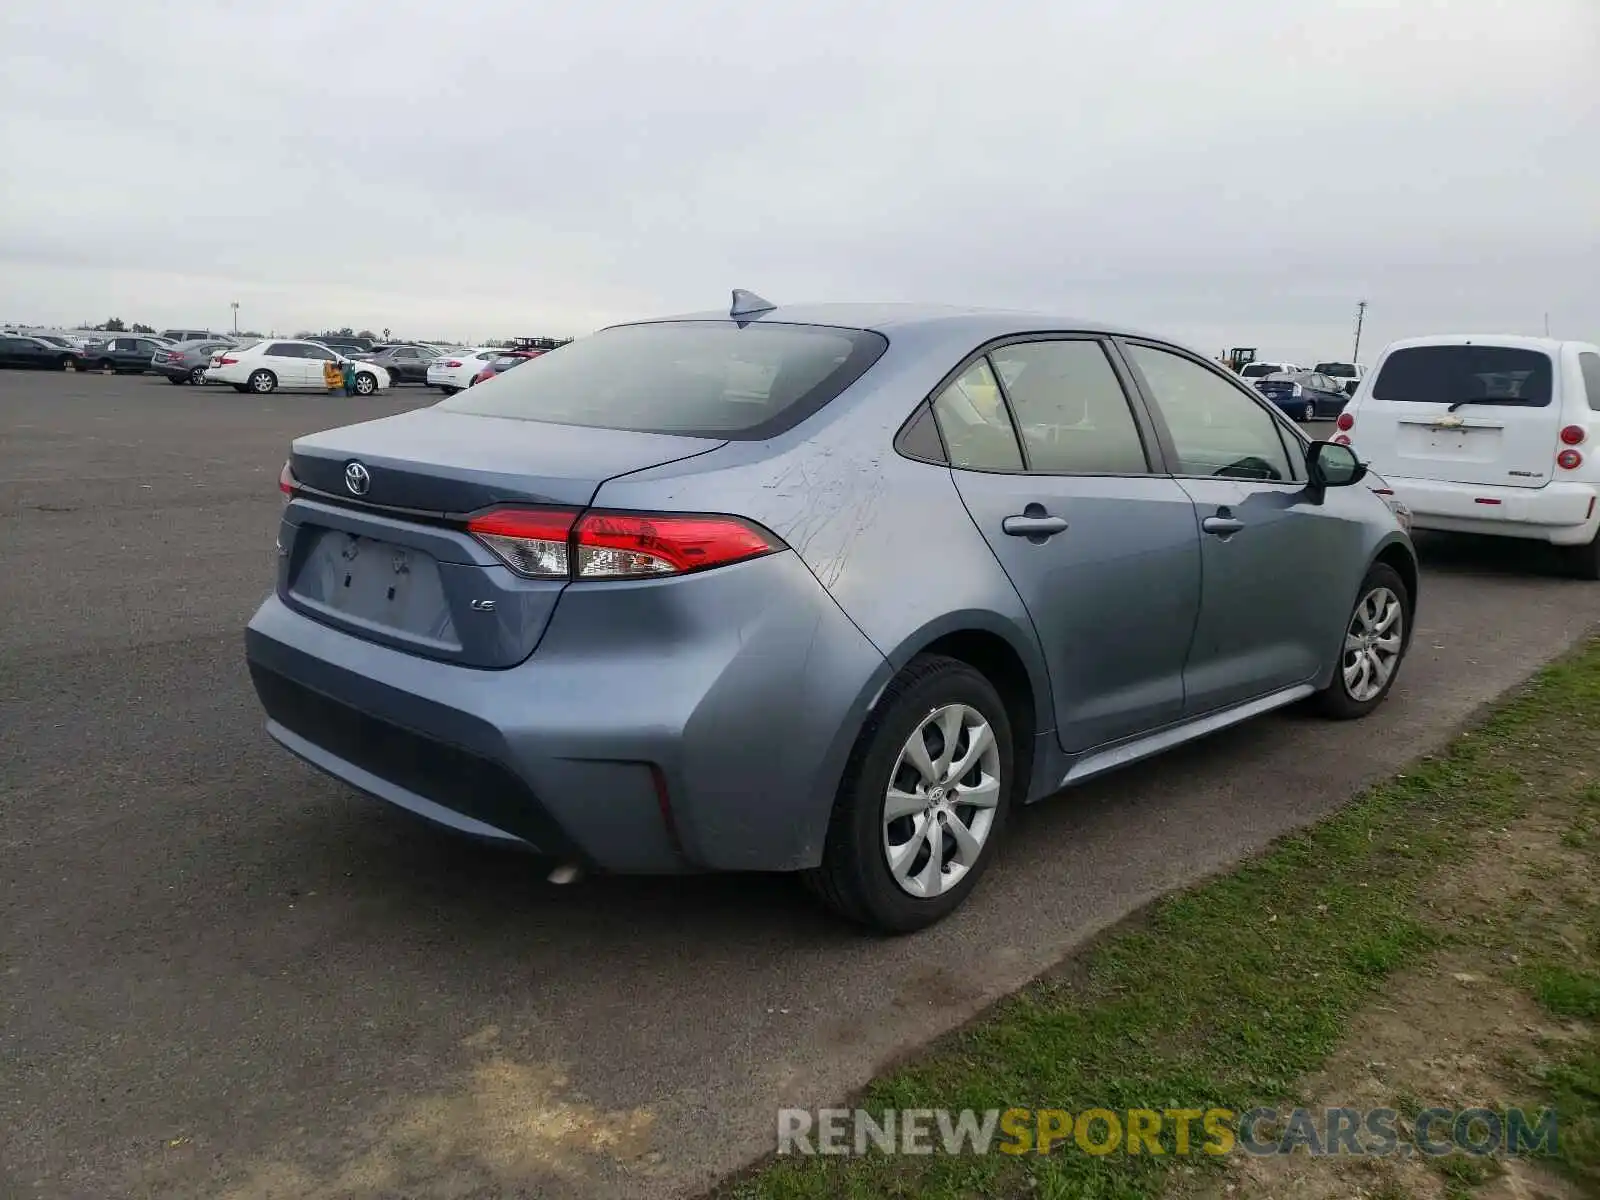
556,544
1339,439
1569,460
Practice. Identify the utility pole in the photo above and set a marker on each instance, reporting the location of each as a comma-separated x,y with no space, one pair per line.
1547,324
1361,313
235,305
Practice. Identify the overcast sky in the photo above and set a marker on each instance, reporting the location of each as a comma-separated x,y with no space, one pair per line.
1238,172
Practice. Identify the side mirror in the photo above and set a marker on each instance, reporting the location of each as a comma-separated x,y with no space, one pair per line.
1329,464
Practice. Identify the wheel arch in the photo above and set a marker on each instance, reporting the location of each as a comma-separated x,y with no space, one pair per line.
1395,551
1009,658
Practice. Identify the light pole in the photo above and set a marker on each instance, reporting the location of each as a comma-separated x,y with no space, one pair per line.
1361,312
235,307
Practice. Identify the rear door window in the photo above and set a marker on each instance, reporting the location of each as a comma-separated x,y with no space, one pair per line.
1070,408
977,429
1590,364
1503,375
701,378
284,350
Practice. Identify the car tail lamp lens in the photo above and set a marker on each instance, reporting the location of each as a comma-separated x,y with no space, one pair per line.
227,360
532,542
1573,435
287,483
623,546
1569,460
552,544
1340,439
1345,421
453,363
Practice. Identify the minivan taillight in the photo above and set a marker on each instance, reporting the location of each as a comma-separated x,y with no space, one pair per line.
1345,421
287,483
558,544
1573,435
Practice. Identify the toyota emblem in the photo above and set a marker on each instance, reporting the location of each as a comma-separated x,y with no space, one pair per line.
357,478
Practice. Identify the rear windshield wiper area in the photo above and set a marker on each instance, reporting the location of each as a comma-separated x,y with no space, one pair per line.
1503,400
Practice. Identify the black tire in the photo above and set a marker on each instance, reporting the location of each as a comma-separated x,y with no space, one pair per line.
262,382
1311,411
198,377
1583,562
366,383
854,878
105,364
1336,701
448,391
177,379
239,387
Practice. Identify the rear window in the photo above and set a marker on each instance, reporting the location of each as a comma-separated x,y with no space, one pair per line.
1465,374
700,378
1259,370
1337,370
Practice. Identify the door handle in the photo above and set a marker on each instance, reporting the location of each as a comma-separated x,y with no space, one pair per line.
1031,526
1222,526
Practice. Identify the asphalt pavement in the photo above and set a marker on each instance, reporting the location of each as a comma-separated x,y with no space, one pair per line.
222,974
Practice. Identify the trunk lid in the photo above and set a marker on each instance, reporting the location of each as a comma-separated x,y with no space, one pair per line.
393,565
1461,413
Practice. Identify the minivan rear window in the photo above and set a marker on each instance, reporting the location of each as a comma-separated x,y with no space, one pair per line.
1465,374
698,378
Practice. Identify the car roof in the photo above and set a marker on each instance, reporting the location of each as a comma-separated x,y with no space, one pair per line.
1512,341
980,323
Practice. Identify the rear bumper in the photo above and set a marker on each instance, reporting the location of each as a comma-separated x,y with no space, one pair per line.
1563,513
713,744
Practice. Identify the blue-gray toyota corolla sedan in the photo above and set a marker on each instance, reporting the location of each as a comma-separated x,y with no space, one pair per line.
823,589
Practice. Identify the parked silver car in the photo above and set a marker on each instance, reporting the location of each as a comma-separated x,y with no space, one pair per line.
823,589
187,362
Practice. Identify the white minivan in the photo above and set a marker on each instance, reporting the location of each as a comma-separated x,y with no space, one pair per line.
1487,434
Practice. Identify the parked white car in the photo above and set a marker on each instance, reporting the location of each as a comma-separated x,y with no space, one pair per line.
453,371
1254,373
1492,434
1348,374
270,365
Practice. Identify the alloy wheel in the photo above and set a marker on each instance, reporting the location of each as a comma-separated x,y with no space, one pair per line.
941,800
197,376
1372,644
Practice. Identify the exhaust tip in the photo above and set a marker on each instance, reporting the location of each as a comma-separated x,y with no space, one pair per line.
565,873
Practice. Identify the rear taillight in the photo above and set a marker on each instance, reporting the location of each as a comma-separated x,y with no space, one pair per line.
1569,460
287,483
1573,435
1340,439
556,544
227,360
453,363
1345,421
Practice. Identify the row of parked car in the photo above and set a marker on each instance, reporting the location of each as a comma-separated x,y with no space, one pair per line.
197,357
1316,393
